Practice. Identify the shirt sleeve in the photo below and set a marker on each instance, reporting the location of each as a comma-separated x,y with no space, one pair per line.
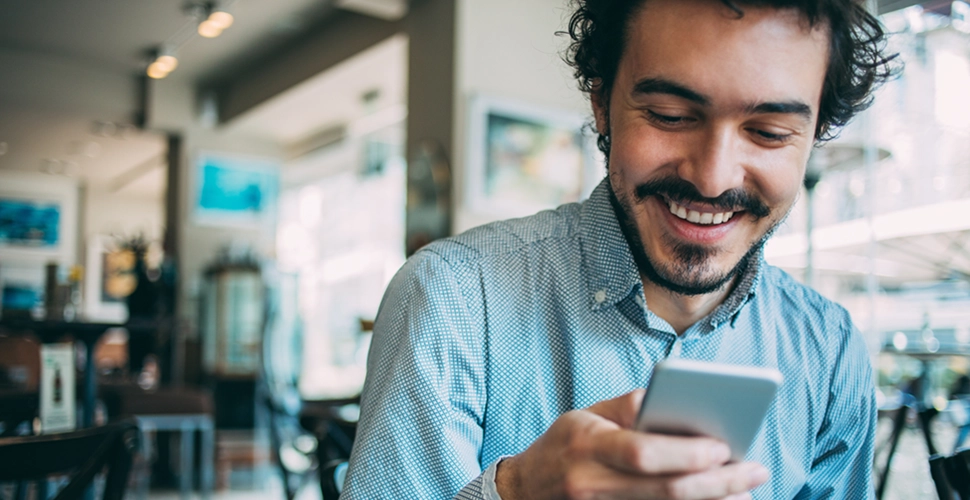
842,467
420,429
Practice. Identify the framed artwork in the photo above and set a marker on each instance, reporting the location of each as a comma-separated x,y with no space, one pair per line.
109,278
522,158
29,223
21,289
38,218
234,190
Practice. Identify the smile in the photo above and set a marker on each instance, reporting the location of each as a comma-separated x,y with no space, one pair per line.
705,218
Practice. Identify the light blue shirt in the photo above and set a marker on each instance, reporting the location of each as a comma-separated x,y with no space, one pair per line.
484,339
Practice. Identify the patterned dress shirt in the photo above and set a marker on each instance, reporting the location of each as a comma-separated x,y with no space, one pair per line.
484,339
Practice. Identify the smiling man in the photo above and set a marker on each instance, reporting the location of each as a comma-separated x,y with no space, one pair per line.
508,362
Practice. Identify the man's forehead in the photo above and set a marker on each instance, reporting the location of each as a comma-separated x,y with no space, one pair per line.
736,15
768,54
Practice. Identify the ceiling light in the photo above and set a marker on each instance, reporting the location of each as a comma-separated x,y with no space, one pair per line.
221,19
167,62
209,29
214,20
156,71
163,62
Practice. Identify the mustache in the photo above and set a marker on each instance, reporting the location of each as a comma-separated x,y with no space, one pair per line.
679,190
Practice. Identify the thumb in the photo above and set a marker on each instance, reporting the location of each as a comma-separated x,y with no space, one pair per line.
621,410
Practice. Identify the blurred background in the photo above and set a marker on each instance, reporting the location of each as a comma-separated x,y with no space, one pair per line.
201,204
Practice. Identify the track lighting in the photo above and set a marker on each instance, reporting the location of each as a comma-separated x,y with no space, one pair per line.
163,63
215,21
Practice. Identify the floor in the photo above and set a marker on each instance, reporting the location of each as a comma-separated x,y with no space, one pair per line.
273,489
909,476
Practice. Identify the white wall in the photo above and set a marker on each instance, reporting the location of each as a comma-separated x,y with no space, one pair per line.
173,107
509,49
112,214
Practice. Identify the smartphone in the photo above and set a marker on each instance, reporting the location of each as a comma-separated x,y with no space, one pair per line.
697,398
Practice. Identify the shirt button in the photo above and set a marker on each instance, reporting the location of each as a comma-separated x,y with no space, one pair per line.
599,296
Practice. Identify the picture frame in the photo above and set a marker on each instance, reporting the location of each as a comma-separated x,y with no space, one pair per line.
21,288
99,305
38,219
234,191
522,158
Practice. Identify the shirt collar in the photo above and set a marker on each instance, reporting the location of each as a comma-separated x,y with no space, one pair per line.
743,291
611,273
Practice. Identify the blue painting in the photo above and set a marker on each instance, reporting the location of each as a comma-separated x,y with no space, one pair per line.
29,223
20,298
235,190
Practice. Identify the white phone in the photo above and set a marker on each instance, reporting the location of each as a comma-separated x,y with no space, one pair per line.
698,398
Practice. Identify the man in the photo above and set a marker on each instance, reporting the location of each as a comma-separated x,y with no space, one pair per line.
507,361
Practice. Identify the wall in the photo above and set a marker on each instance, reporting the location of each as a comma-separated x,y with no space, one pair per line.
173,108
105,213
509,49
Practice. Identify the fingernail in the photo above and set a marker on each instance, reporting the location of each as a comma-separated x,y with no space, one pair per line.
720,453
758,476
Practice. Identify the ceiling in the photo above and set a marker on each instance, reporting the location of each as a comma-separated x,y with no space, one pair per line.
372,83
119,34
116,36
108,158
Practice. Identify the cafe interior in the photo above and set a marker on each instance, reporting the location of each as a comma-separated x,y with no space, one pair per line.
202,202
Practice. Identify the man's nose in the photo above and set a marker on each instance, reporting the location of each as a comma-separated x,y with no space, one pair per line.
715,163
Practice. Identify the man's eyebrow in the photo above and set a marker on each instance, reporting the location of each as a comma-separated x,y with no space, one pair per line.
662,86
784,108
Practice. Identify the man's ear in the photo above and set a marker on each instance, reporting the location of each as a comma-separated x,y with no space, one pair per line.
601,109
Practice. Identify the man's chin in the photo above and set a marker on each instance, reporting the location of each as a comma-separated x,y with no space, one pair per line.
690,282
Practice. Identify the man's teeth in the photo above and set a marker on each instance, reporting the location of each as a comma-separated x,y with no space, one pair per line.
698,217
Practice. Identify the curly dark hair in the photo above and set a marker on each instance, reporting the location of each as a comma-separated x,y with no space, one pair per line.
858,62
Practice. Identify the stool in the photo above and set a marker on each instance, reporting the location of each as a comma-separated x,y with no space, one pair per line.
179,410
187,425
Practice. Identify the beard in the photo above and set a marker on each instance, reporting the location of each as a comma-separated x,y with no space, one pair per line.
690,272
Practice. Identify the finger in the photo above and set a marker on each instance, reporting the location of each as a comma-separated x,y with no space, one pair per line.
734,479
731,482
647,453
620,410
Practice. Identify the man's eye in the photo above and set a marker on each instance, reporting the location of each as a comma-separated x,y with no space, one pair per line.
667,119
768,136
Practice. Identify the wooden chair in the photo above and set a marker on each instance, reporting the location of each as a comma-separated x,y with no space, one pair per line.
80,454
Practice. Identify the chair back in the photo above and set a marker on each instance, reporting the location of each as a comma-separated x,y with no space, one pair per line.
80,454
332,478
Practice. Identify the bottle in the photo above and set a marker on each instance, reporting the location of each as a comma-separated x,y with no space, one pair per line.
58,386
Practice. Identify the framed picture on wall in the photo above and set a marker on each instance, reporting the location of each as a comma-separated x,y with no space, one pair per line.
21,289
29,223
38,218
234,190
522,158
108,280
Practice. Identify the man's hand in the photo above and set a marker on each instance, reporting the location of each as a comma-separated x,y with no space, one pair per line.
594,454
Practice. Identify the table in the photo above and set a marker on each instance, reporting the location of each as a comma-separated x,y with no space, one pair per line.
86,332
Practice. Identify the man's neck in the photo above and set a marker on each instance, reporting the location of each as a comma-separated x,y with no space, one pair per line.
682,311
